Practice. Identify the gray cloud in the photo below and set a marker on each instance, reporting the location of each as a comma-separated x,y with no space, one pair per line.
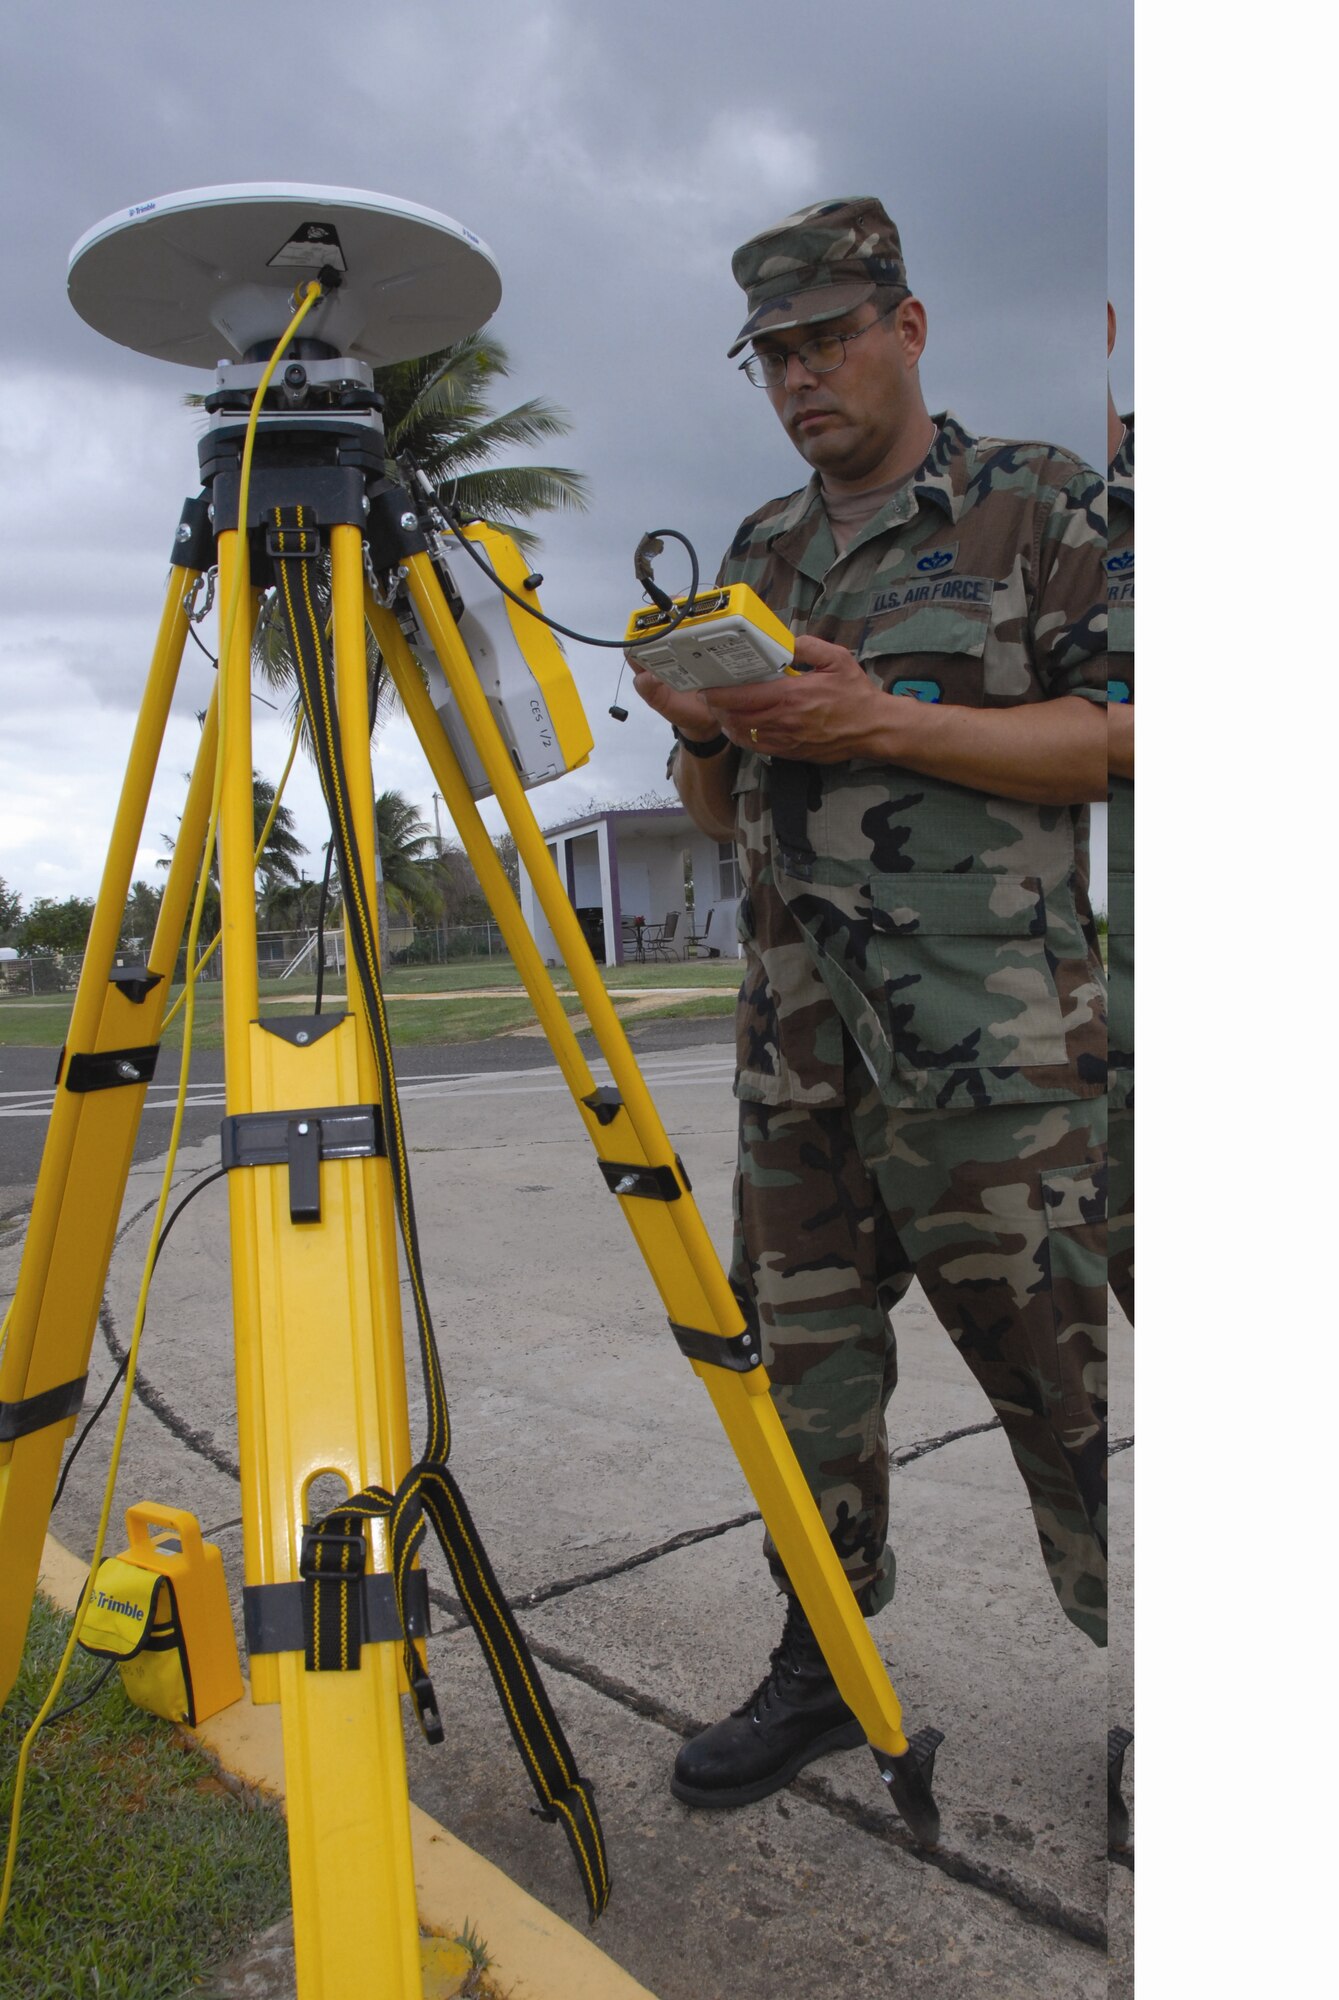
612,159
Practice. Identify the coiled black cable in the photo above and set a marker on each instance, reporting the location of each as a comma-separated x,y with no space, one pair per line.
675,613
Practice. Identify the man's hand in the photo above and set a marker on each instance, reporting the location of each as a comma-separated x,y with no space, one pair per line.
826,715
687,712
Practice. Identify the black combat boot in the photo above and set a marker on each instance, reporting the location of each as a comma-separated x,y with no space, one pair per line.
793,1716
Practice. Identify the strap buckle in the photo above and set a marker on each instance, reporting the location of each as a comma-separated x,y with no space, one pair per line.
425,1700
317,1539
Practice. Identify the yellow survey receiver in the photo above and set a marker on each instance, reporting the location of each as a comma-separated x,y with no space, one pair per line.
161,1609
517,661
728,639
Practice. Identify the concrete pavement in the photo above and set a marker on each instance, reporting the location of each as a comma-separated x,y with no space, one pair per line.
620,1525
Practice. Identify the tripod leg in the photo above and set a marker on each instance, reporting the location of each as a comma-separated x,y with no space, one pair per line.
640,1166
104,1072
320,1390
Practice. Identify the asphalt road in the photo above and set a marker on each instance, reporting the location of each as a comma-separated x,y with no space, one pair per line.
27,1089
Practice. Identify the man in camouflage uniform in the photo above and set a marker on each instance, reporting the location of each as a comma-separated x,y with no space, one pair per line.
1120,822
921,1026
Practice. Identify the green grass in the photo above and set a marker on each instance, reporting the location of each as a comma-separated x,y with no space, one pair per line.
461,1020
458,976
42,1023
138,1869
697,1007
710,973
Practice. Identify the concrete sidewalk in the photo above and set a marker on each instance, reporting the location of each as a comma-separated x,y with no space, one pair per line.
618,1522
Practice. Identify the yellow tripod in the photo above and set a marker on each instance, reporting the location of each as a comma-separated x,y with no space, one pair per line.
335,1610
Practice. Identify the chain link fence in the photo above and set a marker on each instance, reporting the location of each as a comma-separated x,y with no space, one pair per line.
43,972
279,954
448,944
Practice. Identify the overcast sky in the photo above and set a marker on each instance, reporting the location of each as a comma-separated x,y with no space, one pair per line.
612,158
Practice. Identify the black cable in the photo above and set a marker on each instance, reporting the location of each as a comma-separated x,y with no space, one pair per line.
59,1714
320,920
213,661
189,1195
676,617
211,657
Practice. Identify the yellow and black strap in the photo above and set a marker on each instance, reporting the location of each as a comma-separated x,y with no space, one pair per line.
334,1552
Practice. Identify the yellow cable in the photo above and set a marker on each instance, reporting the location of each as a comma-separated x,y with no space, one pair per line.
312,294
256,858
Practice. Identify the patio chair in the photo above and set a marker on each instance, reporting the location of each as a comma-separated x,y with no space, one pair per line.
658,941
699,942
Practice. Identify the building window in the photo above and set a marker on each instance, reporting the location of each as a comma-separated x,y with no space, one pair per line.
728,869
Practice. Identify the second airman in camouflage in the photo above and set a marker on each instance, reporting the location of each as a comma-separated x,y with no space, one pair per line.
1120,823
921,1026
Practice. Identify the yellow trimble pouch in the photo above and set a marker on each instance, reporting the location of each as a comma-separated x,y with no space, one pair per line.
161,1609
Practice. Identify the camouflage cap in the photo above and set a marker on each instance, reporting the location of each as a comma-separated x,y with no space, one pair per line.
819,263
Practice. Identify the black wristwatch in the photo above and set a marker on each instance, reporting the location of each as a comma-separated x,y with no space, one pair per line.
711,748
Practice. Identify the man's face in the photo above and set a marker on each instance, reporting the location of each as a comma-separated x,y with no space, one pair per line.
845,422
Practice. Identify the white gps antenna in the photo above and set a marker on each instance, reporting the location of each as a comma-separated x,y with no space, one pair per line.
180,275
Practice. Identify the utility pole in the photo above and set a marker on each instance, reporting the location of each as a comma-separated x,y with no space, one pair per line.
437,803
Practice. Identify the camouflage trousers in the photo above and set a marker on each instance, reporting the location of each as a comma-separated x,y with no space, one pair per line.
1001,1215
1120,1230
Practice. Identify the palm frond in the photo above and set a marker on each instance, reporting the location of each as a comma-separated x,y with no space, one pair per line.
502,492
446,388
528,424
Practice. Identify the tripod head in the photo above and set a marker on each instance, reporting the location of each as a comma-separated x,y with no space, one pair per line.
183,275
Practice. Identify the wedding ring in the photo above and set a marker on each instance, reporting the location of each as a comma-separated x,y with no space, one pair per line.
753,736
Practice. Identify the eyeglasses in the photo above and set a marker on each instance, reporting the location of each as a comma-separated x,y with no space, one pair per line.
766,367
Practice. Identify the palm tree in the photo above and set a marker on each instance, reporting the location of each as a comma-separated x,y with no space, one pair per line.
439,418
279,862
277,872
408,854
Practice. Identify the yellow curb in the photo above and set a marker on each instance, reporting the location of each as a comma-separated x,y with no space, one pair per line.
534,1954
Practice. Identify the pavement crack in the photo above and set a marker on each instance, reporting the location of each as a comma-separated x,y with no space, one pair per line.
199,1441
927,1445
1033,1900
544,1593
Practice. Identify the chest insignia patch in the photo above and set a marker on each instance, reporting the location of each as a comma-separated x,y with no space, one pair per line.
935,590
936,562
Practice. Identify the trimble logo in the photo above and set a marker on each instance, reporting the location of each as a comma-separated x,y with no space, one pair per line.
120,1605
